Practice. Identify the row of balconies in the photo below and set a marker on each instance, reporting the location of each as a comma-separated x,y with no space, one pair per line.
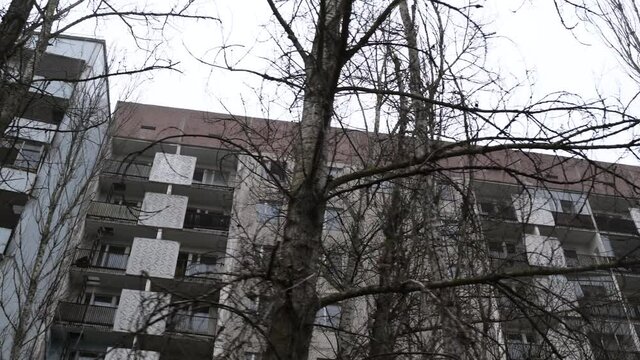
97,259
606,222
105,317
130,214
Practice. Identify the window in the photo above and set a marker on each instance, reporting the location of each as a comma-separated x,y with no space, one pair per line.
332,219
334,172
334,262
98,299
568,206
112,257
85,355
267,211
328,316
274,169
210,177
265,253
252,356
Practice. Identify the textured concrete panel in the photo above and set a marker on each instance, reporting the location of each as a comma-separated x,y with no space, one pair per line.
141,312
129,354
155,257
173,169
544,251
163,211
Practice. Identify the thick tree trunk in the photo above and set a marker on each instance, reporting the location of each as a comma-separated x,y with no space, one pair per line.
12,27
15,87
296,269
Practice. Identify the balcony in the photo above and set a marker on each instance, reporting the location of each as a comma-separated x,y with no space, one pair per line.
186,269
497,210
113,212
195,324
524,351
616,224
573,220
85,314
590,308
200,220
88,258
136,171
575,260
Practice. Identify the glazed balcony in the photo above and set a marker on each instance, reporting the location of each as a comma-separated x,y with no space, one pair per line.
194,324
523,351
200,220
572,220
615,223
193,270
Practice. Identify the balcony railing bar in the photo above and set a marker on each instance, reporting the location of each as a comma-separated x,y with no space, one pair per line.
110,211
91,258
85,314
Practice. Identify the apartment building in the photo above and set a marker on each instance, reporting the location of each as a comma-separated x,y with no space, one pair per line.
177,208
47,157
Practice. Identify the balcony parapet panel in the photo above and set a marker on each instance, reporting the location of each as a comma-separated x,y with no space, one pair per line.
156,258
163,210
142,312
173,169
113,212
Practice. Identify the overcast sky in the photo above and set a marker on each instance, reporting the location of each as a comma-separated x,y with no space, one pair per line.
530,39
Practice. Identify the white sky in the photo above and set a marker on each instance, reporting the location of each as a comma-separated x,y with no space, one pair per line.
530,39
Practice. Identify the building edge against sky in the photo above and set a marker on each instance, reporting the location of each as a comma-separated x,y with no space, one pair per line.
48,157
163,218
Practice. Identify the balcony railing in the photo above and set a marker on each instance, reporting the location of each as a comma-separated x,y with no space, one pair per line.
85,314
573,220
598,308
198,270
192,324
612,223
200,220
500,259
600,354
110,211
127,169
88,258
522,351
588,260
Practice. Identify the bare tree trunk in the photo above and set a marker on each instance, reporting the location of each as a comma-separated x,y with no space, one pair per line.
295,272
12,27
14,90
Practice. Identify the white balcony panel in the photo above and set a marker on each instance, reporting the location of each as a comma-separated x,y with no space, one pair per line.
16,180
129,354
544,251
173,169
635,216
142,312
156,258
163,211
59,89
534,208
5,235
32,130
